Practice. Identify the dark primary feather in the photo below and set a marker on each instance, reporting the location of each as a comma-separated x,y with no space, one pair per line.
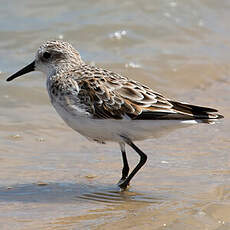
183,111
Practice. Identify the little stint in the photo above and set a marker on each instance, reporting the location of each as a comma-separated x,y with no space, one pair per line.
105,106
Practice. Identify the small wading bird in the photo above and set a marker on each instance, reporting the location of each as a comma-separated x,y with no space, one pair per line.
105,106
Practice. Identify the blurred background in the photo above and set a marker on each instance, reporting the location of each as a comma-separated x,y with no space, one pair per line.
53,178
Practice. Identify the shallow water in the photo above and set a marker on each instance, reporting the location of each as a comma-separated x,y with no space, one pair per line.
53,178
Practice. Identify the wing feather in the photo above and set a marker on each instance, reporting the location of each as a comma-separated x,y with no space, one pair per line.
113,96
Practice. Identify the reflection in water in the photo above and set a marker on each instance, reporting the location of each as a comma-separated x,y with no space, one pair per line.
113,197
109,205
122,210
70,193
97,203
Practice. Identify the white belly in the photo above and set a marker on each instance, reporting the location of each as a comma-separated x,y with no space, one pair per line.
111,130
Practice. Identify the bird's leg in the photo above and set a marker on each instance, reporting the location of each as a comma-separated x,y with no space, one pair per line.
143,159
125,170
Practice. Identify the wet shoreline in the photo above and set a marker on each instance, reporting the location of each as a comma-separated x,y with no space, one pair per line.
53,178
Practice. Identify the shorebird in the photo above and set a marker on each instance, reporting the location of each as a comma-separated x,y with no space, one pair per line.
105,106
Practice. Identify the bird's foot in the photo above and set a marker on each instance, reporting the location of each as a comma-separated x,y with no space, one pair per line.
123,184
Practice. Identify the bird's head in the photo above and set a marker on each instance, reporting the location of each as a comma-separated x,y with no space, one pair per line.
52,56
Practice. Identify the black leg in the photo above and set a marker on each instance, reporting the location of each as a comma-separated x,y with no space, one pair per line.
125,170
143,159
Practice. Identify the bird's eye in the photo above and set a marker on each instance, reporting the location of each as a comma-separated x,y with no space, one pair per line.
46,55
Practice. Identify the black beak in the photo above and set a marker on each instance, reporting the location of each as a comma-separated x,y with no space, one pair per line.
27,69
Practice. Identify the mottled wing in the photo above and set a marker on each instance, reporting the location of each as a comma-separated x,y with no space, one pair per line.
110,95
100,90
113,96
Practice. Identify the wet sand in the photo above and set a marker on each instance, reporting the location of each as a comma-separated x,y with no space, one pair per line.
53,178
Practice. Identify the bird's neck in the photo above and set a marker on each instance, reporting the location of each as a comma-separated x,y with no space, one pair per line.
67,67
